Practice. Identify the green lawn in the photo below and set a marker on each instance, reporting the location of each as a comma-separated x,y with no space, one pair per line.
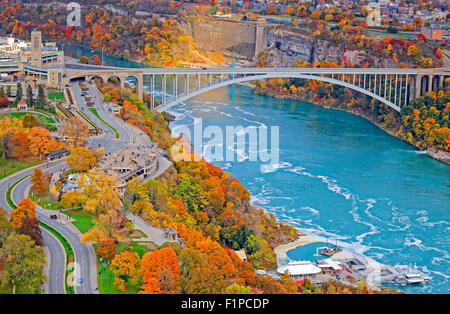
41,118
47,200
83,222
56,95
94,111
11,165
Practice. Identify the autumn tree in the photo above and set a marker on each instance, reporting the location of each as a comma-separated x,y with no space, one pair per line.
20,144
125,267
41,142
25,208
107,248
38,183
205,280
288,283
163,265
75,131
96,59
98,192
82,159
5,226
24,261
96,234
29,121
30,227
70,199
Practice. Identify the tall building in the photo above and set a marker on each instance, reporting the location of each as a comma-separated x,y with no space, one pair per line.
36,46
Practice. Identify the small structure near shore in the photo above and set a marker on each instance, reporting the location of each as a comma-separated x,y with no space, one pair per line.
300,269
329,266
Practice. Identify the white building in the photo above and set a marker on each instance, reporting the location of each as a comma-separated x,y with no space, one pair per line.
329,265
300,269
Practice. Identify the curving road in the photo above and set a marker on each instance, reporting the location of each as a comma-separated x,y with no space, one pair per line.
57,256
108,140
84,252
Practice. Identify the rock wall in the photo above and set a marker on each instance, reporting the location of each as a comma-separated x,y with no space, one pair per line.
234,38
285,46
289,45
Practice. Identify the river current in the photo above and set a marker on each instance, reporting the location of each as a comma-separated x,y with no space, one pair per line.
338,176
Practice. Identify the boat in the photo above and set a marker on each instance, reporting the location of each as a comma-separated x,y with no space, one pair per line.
410,275
329,251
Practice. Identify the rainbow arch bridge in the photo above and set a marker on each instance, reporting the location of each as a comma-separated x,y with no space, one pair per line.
394,87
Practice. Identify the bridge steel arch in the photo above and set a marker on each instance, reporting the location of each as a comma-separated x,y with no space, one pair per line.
394,87
205,89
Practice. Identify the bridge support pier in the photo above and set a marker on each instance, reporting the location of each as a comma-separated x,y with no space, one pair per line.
430,83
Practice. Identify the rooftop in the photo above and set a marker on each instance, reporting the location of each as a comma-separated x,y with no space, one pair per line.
299,268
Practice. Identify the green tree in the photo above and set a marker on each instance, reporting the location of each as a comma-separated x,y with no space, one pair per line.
2,92
8,91
29,96
18,92
40,99
192,193
24,261
238,289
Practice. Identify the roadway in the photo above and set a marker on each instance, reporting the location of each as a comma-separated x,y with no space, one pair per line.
57,258
84,252
108,140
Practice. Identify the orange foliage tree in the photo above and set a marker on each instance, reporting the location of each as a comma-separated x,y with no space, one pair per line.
38,183
156,263
25,208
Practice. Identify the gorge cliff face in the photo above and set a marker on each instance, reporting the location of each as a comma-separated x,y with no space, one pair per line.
287,45
284,46
234,38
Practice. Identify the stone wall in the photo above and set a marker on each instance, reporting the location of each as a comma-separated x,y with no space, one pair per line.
234,38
